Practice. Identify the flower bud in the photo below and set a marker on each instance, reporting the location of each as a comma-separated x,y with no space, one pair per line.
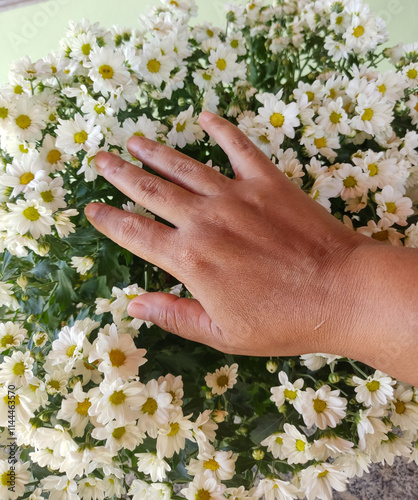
22,281
282,409
73,382
349,380
209,395
218,416
243,430
318,384
25,297
291,362
272,366
32,319
44,417
43,249
334,378
258,454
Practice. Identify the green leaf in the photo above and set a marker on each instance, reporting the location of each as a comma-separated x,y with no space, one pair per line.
264,426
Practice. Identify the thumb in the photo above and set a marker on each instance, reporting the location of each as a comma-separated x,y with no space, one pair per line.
183,317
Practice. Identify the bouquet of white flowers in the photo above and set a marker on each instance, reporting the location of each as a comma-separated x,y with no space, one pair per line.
95,404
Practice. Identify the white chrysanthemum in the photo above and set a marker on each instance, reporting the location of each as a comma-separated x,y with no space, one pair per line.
287,391
56,382
373,114
155,68
155,412
223,64
394,207
174,386
376,390
74,409
371,429
51,156
204,430
141,127
333,118
330,446
390,447
318,481
48,193
28,120
354,464
17,369
381,170
78,134
24,406
317,361
323,408
22,174
155,467
119,436
172,436
63,225
411,235
217,464
28,217
382,232
82,264
107,70
13,479
205,488
404,408
354,180
296,447
91,487
223,379
68,347
60,487
117,400
11,335
186,129
411,73
274,444
6,296
275,489
134,208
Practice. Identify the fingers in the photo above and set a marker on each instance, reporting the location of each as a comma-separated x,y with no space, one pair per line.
161,197
142,236
183,317
179,168
246,159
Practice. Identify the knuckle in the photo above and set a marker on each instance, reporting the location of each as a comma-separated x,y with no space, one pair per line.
129,229
245,146
189,258
149,187
113,168
181,168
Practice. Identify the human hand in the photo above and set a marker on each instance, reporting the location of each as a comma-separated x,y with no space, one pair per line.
270,269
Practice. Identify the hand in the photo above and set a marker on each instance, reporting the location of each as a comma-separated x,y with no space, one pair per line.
260,257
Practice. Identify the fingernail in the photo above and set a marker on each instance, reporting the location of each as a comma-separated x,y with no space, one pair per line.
102,159
138,310
91,210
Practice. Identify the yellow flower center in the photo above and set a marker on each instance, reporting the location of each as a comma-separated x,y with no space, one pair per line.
339,20
153,66
117,398
7,340
382,88
221,64
373,386
391,207
19,368
47,196
319,405
150,406
381,235
400,407
173,2
100,110
23,121
18,89
22,149
288,394
210,33
277,119
373,170
335,117
26,178
118,432
412,73
52,117
234,44
211,464
279,440
54,384
300,445
222,381
175,428
70,350
358,32
311,96
264,139
132,296
7,479
54,156
117,357
202,495
80,137
316,195
207,77
40,340
4,113
53,69
31,214
323,473
106,71
180,126
367,115
86,49
332,93
83,408
350,182
320,142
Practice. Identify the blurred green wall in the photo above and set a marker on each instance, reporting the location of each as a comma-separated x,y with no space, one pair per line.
36,30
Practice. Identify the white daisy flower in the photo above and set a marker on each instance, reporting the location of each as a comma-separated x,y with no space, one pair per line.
354,180
57,382
119,436
275,489
239,494
333,118
62,222
28,120
82,264
24,406
206,79
204,430
394,207
6,296
60,487
68,347
411,73
28,217
117,400
323,408
78,134
316,141
172,436
411,236
48,193
382,232
371,429
74,409
330,446
17,369
404,408
22,174
155,467
186,129
52,156
354,464
314,92
205,488
223,63
155,68
11,335
217,464
390,447
14,478
107,70
287,391
91,487
318,481
174,386
376,390
82,46
274,444
296,447
155,412
142,127
373,114
223,379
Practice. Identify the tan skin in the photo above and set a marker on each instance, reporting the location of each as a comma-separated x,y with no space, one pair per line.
272,272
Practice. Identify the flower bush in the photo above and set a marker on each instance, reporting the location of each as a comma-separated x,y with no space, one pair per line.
100,405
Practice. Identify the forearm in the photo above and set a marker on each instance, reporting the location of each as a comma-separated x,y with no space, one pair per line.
382,304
